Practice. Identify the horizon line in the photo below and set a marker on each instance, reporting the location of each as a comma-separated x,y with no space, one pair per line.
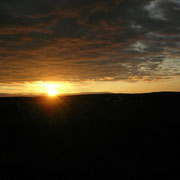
81,93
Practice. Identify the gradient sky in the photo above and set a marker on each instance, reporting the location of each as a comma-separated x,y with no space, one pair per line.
124,46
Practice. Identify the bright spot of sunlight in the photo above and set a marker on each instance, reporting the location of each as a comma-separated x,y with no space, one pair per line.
52,92
53,88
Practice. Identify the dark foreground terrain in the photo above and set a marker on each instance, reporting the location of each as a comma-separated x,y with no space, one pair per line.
90,137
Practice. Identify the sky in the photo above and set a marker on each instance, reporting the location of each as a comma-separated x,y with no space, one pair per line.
73,46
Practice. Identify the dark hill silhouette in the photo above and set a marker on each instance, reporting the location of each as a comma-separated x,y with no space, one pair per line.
90,136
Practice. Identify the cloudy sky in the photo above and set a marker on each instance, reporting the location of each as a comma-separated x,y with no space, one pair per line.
89,45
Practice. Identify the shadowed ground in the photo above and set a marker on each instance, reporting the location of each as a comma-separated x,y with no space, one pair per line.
90,137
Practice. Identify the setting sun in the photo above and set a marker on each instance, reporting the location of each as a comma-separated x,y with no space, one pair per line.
51,88
52,92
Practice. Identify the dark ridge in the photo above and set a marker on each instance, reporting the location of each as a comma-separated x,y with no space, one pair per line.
96,136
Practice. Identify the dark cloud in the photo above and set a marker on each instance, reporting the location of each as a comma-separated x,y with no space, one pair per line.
88,39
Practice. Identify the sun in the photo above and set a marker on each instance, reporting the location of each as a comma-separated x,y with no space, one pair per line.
53,89
52,92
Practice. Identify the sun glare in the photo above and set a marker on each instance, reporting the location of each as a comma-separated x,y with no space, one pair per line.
50,89
52,92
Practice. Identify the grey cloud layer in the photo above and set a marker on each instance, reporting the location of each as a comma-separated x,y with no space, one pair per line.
88,39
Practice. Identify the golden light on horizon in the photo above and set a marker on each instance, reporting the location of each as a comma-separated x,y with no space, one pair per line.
53,89
64,87
52,92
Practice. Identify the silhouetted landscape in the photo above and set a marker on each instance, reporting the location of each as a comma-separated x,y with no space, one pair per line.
92,136
89,89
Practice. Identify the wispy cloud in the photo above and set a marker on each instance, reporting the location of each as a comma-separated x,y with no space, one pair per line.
42,40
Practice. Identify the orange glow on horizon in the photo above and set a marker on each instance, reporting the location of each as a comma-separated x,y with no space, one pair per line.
52,92
53,89
56,88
